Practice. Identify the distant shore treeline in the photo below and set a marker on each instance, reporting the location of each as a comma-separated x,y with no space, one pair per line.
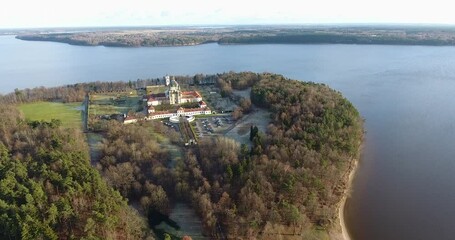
67,93
77,92
410,35
335,39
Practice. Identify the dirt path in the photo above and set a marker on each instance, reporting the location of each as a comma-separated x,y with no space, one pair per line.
187,220
185,216
94,141
84,113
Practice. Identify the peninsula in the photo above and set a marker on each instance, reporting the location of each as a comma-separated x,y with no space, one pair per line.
271,159
188,36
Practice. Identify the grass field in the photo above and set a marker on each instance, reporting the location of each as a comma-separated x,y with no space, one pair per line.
156,89
106,104
68,113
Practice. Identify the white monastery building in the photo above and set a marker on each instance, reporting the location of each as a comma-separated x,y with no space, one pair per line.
174,96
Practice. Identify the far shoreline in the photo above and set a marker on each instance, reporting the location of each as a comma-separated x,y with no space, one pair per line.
156,37
37,38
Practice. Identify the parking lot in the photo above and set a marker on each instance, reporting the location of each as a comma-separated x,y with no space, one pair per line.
214,125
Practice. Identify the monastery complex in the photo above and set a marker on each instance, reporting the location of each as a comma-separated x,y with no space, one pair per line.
173,96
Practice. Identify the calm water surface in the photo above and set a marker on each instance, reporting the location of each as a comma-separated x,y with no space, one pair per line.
405,185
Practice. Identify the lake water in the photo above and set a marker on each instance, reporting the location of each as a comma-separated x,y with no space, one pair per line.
405,184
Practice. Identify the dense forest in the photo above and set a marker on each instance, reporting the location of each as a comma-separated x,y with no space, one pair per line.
48,189
292,178
136,164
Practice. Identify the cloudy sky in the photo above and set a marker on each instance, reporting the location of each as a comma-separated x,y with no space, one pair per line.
53,13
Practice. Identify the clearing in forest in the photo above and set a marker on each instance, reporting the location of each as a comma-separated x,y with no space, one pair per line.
68,113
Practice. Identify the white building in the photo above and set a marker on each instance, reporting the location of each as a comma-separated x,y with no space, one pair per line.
202,110
129,120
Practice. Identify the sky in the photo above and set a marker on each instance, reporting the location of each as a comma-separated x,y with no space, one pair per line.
88,13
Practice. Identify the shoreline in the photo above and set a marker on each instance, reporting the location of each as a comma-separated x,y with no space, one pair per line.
126,45
344,231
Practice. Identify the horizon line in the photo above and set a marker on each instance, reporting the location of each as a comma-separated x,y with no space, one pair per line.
218,25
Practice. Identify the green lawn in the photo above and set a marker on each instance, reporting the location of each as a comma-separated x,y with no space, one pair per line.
101,104
156,89
68,113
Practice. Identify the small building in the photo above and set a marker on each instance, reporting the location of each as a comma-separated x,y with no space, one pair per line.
156,99
202,104
150,109
190,96
129,119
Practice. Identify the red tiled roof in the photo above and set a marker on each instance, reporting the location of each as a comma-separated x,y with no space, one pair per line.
191,93
157,96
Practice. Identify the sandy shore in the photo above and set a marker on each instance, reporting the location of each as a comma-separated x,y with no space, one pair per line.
344,230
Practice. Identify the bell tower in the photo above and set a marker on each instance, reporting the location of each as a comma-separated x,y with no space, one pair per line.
167,80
